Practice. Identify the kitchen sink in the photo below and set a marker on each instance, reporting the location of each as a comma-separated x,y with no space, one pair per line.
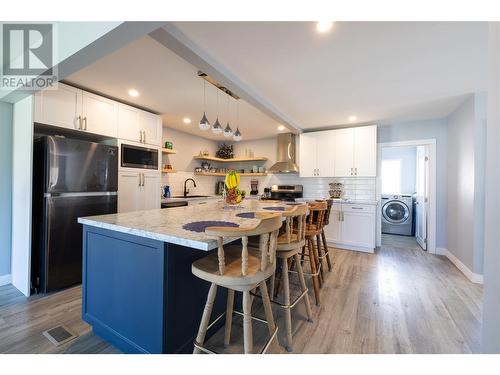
190,196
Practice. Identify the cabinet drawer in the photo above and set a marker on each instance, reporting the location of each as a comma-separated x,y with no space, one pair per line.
366,208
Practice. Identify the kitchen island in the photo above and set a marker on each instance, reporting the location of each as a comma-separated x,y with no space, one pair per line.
138,292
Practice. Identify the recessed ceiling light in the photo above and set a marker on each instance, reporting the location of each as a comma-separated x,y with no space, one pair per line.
323,27
281,128
186,120
133,93
352,118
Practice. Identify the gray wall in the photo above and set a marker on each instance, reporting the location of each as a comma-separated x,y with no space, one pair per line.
408,157
461,136
491,299
429,129
5,186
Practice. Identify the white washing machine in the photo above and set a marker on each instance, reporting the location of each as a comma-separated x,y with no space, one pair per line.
397,214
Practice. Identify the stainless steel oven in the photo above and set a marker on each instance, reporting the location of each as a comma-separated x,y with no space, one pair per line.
138,157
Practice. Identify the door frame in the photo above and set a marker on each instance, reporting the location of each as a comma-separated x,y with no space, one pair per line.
431,143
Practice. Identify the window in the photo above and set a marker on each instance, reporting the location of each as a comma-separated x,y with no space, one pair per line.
391,176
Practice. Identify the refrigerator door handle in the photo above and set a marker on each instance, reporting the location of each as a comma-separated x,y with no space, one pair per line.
86,194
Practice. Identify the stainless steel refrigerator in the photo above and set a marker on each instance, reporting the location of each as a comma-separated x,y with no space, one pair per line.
71,178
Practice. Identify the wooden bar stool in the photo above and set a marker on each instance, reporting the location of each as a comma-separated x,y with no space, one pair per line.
324,251
290,243
314,226
239,268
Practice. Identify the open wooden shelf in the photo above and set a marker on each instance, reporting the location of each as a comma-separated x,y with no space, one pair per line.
168,151
168,171
232,160
220,174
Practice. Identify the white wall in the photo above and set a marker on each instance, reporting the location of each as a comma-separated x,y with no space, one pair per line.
418,130
22,167
408,157
491,299
5,190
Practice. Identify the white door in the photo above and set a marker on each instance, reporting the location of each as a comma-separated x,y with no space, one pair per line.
128,123
333,231
325,159
129,191
422,199
61,107
358,229
307,155
151,192
365,151
344,153
99,115
150,124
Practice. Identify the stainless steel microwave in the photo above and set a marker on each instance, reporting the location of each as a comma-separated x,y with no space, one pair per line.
138,157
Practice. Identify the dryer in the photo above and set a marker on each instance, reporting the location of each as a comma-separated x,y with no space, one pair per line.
397,214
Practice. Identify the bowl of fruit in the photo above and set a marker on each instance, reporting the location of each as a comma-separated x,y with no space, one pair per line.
233,195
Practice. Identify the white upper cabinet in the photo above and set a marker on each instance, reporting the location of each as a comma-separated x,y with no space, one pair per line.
61,107
344,153
307,155
151,126
100,115
139,126
365,151
317,154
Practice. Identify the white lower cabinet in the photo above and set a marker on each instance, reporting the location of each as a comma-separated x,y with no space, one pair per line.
352,226
138,191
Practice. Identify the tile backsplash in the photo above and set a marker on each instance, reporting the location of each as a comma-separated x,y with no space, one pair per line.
314,188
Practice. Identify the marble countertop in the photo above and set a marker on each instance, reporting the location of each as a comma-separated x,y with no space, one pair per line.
166,224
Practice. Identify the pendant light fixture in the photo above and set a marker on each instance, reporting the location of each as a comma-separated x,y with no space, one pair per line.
217,128
228,132
237,134
204,124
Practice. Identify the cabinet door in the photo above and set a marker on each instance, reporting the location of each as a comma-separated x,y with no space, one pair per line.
365,151
100,115
129,192
358,229
344,153
151,125
151,192
325,151
333,231
307,155
128,123
61,107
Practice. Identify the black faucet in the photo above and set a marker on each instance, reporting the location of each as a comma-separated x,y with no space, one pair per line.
186,191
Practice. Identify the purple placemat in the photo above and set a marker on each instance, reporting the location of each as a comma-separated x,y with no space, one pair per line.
275,208
200,226
247,215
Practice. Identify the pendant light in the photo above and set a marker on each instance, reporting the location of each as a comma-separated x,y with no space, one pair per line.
204,124
228,132
237,134
217,128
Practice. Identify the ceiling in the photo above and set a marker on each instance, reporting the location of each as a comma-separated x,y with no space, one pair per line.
377,71
380,72
169,86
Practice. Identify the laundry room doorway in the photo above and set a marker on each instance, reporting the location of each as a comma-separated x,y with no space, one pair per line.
406,189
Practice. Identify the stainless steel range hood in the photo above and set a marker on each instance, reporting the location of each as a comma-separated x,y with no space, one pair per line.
286,155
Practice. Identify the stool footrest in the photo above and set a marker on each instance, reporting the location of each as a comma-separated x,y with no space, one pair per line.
264,349
290,306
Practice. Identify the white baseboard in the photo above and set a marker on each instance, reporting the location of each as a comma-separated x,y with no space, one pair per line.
5,279
474,277
350,247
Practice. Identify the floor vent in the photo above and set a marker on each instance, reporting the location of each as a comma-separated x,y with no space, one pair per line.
59,335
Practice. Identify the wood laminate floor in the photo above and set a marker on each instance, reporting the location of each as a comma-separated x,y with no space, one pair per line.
399,300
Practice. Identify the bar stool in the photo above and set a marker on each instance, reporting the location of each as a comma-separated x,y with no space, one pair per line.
290,243
314,226
325,252
239,268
